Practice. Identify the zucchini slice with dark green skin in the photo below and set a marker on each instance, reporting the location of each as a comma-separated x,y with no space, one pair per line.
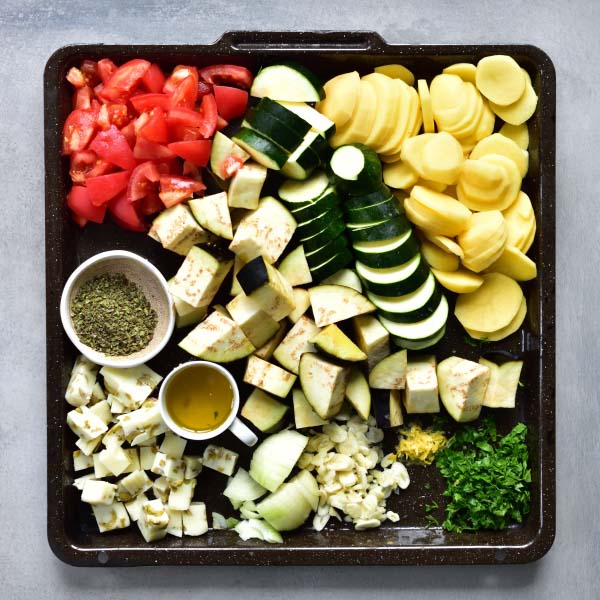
381,194
298,193
261,149
333,265
308,228
383,231
378,212
303,211
387,253
357,169
395,281
421,343
331,231
287,117
273,129
330,248
288,81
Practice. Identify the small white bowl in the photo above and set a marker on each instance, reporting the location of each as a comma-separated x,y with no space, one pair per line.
148,278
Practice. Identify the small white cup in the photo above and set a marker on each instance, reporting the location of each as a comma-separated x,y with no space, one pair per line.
241,431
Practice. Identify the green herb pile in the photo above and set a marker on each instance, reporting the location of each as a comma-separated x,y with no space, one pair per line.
487,478
112,315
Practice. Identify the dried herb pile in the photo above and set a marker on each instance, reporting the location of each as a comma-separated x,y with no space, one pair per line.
112,315
488,477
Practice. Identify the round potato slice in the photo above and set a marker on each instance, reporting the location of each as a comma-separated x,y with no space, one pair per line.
447,93
387,110
399,175
486,123
459,282
416,116
341,93
466,124
442,159
483,239
520,221
445,243
500,144
436,186
504,332
397,72
517,133
402,97
492,306
521,110
466,71
437,258
450,215
513,263
425,99
500,79
413,149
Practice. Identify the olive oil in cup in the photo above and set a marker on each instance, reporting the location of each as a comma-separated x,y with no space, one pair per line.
199,400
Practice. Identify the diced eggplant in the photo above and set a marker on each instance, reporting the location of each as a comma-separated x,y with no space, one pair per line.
390,373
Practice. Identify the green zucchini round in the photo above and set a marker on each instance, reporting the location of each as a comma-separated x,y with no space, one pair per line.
384,231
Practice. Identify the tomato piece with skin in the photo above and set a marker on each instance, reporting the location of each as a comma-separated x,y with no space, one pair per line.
227,74
125,214
90,70
204,88
186,117
194,151
230,166
76,77
143,181
124,80
183,133
154,79
112,145
208,110
86,163
150,204
82,97
79,129
186,92
78,200
146,150
221,123
106,68
176,188
81,221
155,127
144,102
129,132
113,114
231,101
105,187
179,73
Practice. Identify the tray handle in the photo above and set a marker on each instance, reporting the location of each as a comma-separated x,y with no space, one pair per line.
301,40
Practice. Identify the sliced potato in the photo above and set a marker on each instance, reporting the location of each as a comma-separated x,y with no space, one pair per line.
387,110
483,239
442,159
464,121
500,144
436,186
500,79
503,332
523,109
445,243
517,133
513,263
492,306
426,111
460,281
437,258
402,97
397,72
416,116
399,175
340,97
466,71
413,149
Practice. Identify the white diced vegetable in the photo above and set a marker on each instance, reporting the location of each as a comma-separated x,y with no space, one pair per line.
98,492
296,343
136,482
147,455
193,466
99,469
88,447
131,385
153,520
143,419
219,459
113,516
173,445
82,461
161,488
194,519
175,526
258,529
242,488
82,381
134,508
390,373
177,230
79,482
421,394
268,377
181,495
85,424
114,459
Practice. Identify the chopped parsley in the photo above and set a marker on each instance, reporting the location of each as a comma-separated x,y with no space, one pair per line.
487,477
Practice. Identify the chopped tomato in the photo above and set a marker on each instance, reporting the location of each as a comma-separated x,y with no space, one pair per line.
78,130
184,116
176,188
204,88
169,166
180,72
113,114
90,70
124,80
208,110
144,180
81,221
221,123
106,68
124,214
146,150
195,151
78,200
183,133
154,79
82,97
144,102
112,145
129,132
231,101
191,170
105,187
229,166
155,127
227,74
150,204
86,163
76,78
186,92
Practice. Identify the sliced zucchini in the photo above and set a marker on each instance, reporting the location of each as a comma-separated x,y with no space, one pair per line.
346,277
421,343
395,281
334,303
288,81
358,393
286,116
318,223
334,342
274,129
357,169
304,160
381,194
299,192
307,210
419,331
261,149
387,253
378,212
382,231
263,411
390,373
332,265
221,152
304,415
332,230
323,384
294,267
331,247
411,307
318,122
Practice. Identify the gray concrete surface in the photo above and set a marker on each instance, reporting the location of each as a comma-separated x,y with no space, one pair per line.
30,30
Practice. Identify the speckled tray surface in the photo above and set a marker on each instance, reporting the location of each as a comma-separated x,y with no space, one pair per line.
72,532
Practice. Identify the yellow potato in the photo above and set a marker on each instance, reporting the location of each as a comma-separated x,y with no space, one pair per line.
445,243
486,123
504,332
472,111
340,97
387,110
460,281
483,239
517,133
521,110
436,186
416,116
513,263
500,144
529,240
358,128
500,79
447,94
425,100
390,158
466,71
397,72
442,159
492,306
399,175
436,212
402,97
520,220
413,149
437,258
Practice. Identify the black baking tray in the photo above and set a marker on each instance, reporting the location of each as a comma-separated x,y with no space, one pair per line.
72,532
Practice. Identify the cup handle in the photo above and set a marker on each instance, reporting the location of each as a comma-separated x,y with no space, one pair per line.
243,432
